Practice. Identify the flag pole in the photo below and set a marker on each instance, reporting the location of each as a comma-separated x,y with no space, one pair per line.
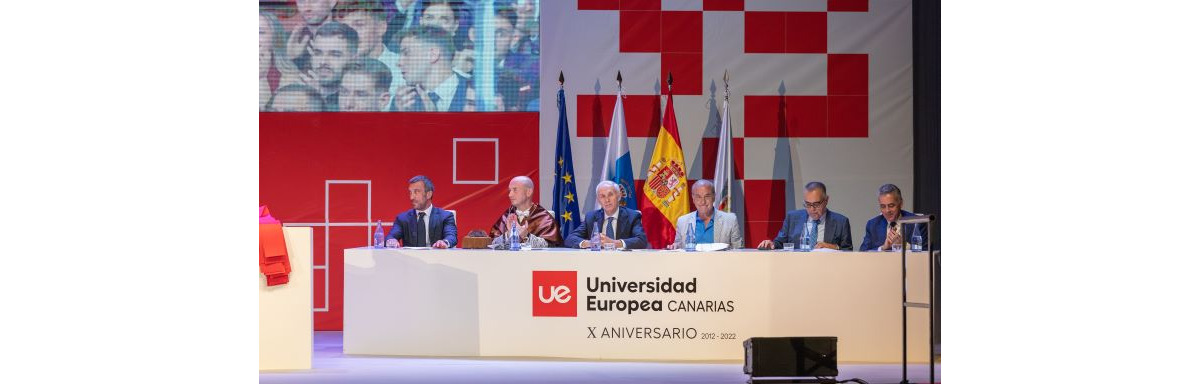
620,91
728,195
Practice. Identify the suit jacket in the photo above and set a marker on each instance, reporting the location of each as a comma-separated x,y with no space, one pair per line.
441,227
457,102
837,229
725,228
460,94
629,228
877,232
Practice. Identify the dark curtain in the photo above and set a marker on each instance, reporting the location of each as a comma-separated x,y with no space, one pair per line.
927,125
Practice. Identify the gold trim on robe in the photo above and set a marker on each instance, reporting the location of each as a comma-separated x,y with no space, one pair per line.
539,223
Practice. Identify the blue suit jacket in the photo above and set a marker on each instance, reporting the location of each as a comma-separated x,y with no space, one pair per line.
877,232
837,229
629,228
441,227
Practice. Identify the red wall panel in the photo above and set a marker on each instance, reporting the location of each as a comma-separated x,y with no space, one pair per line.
298,152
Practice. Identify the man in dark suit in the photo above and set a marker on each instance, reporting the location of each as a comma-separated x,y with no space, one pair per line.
426,56
832,228
882,231
424,225
618,225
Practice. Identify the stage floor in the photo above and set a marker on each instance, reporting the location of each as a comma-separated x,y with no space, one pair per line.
331,366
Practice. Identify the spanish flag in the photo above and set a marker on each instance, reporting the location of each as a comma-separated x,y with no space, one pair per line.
666,188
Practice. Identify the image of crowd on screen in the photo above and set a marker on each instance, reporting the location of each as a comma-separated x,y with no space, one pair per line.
332,48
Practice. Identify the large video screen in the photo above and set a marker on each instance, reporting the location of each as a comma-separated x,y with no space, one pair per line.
398,55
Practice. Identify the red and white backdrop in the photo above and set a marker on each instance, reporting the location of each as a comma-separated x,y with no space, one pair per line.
340,172
820,90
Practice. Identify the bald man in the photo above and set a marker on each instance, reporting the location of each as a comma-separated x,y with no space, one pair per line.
531,218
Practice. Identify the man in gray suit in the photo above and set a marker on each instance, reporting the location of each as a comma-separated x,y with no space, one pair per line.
711,225
833,229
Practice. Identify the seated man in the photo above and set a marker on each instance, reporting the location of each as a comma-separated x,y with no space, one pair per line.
619,225
424,223
710,225
833,229
531,218
882,230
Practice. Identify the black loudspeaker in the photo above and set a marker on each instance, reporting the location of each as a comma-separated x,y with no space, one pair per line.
791,357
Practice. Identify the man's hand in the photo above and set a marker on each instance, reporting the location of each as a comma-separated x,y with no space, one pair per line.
407,97
605,240
892,238
299,42
672,246
392,243
441,244
766,244
822,244
585,244
522,229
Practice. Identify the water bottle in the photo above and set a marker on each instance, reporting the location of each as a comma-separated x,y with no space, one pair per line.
689,239
514,237
596,236
918,243
379,234
809,240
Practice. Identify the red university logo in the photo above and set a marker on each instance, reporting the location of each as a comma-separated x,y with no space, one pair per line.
554,293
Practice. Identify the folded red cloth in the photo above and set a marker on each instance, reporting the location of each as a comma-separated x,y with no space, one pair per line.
272,250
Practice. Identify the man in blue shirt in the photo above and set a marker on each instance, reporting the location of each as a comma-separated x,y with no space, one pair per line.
710,224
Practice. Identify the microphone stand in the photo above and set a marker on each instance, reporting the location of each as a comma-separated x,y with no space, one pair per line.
905,305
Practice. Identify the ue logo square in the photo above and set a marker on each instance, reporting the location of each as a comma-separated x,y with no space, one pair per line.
554,293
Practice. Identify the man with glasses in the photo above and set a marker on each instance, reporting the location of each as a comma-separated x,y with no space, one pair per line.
882,231
832,230
709,225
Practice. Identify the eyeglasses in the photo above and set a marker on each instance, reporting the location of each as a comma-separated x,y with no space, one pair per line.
814,205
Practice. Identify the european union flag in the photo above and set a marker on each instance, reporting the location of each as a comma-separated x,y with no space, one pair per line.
566,202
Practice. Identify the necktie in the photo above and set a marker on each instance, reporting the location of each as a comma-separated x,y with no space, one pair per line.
812,232
421,242
433,97
608,228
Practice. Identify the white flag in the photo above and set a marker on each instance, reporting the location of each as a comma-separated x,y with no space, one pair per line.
617,164
723,180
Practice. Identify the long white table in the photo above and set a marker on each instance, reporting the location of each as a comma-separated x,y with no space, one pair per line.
483,302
